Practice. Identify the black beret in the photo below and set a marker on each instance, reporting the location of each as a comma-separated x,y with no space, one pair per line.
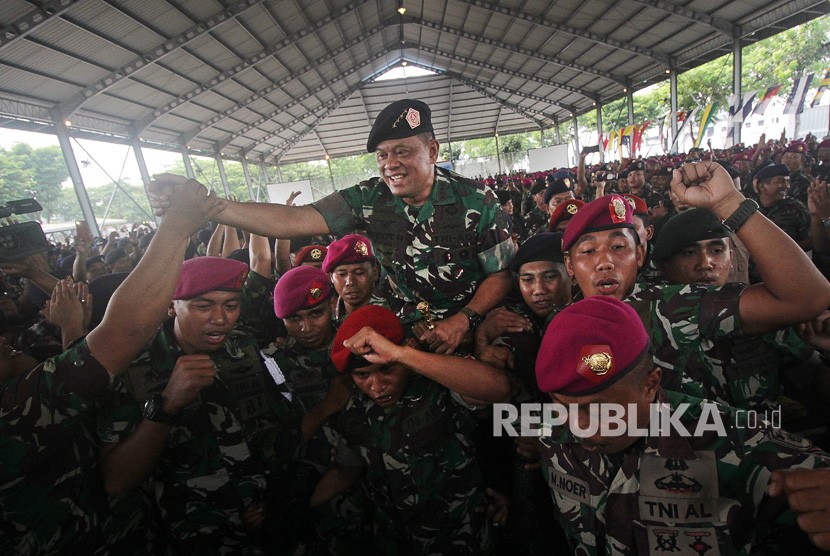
546,246
114,256
622,175
504,197
636,165
771,171
538,186
401,119
686,228
556,187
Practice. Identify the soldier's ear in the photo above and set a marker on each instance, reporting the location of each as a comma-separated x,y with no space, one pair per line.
652,382
171,311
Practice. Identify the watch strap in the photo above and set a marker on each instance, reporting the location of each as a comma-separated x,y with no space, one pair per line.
473,318
747,208
153,410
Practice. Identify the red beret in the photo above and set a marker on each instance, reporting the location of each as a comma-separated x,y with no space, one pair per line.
302,287
310,254
527,181
638,204
825,144
207,274
590,345
605,213
564,211
381,319
347,250
797,147
745,156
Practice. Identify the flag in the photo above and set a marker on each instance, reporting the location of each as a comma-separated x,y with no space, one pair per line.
821,88
705,120
761,107
640,132
795,102
680,131
743,110
733,106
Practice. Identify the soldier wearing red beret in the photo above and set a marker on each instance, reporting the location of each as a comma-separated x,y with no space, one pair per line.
603,254
642,481
354,271
196,392
408,429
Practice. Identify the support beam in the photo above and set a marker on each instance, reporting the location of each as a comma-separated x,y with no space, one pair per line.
629,100
142,167
558,132
247,174
576,135
673,104
75,175
222,175
188,166
737,89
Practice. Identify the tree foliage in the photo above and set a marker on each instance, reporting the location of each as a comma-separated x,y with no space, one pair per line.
27,172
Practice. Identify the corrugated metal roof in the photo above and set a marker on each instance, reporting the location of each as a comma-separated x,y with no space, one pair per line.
292,80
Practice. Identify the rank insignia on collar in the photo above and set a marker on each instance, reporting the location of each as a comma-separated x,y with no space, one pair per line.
413,118
572,209
617,208
595,362
361,248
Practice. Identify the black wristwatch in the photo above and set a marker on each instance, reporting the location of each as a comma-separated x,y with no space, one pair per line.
153,410
747,208
473,318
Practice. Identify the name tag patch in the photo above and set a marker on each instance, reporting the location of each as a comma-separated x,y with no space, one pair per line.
569,487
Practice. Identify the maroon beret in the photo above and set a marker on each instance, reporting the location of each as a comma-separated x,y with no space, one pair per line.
206,274
302,287
797,147
589,346
745,156
605,213
638,204
349,249
564,211
310,254
825,144
381,319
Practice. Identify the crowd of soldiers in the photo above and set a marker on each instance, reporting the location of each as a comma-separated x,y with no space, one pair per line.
333,378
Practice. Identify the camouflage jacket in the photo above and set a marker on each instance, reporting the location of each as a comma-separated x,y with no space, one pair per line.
670,494
421,474
439,252
799,186
51,494
221,449
306,375
536,221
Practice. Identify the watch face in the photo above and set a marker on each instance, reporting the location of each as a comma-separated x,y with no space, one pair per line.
150,408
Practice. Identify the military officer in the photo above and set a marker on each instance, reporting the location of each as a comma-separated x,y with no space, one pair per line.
647,485
440,237
354,272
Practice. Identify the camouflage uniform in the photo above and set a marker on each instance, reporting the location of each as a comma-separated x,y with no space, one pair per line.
340,523
421,474
51,494
688,325
220,451
257,317
674,495
799,186
651,197
536,221
696,337
438,252
791,216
